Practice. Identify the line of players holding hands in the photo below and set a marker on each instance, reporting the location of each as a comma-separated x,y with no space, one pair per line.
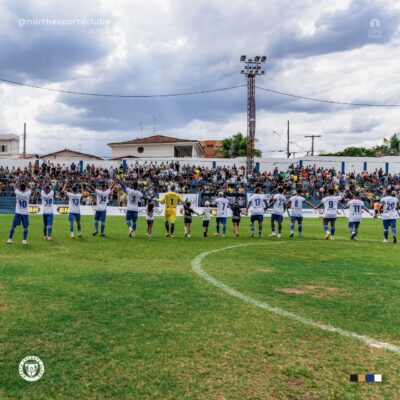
257,205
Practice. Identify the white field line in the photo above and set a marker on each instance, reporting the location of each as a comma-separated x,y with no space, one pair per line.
197,268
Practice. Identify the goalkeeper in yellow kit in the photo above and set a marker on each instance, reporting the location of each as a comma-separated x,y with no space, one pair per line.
171,200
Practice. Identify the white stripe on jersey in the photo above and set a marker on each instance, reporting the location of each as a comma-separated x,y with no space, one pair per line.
279,205
296,206
102,197
47,201
389,207
257,204
331,204
22,204
222,207
356,208
134,197
74,202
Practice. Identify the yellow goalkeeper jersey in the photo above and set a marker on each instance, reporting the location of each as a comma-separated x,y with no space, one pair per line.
171,199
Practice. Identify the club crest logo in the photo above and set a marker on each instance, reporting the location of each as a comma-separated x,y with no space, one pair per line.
31,368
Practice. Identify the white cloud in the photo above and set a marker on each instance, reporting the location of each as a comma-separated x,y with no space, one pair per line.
317,50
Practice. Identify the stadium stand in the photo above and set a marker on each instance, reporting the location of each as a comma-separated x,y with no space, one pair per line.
156,177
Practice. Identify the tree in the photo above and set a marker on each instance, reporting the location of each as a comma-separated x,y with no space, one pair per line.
394,143
353,152
236,146
390,147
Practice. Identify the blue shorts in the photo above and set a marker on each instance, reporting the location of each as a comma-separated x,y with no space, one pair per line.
150,221
277,218
100,216
354,225
132,215
221,220
389,222
258,218
296,219
326,220
206,223
21,218
74,217
47,219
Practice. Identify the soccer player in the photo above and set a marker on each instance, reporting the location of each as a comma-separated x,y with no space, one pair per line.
236,211
132,209
296,211
188,212
278,203
331,204
74,203
23,194
47,195
257,205
150,215
102,199
389,207
171,200
222,212
356,208
206,217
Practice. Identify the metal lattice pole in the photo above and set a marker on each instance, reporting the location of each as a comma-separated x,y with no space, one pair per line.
251,69
251,123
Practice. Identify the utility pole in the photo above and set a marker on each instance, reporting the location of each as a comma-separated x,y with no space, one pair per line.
312,142
24,148
252,68
288,141
154,125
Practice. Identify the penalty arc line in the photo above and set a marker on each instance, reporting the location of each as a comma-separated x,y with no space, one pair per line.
197,268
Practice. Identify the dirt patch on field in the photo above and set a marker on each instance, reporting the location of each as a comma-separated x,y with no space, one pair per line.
317,291
291,291
265,270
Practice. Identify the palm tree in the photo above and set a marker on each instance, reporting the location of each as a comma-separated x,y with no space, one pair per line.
236,146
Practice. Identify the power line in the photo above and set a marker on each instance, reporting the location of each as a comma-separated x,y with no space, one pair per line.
136,96
327,101
143,96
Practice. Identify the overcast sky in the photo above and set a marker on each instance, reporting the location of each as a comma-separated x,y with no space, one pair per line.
337,50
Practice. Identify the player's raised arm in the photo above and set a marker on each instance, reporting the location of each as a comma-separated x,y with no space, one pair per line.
64,188
111,184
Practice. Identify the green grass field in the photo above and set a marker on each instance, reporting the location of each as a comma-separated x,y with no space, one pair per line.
128,318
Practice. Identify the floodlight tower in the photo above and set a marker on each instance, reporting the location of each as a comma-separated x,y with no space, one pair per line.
252,68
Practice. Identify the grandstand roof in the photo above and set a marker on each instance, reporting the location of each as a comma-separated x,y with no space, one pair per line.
70,153
155,139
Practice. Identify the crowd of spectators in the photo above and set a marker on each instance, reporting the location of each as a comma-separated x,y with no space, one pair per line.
155,177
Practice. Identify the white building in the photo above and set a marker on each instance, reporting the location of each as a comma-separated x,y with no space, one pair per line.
157,146
9,146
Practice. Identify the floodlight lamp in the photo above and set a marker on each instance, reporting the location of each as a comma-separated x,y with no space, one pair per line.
257,58
263,58
242,71
243,58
